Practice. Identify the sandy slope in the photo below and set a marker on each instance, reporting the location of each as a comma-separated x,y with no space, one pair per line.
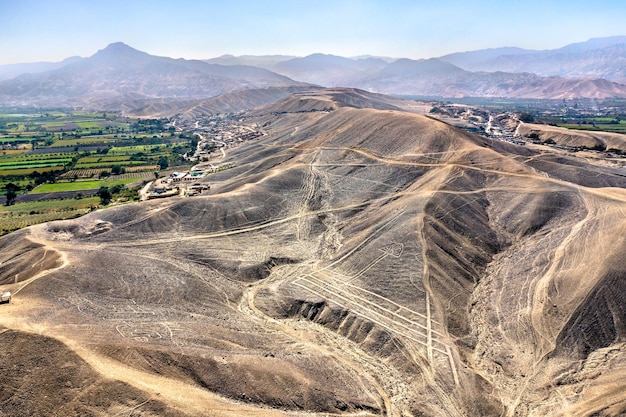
354,262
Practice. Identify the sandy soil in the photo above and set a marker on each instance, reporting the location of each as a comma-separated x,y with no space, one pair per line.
354,262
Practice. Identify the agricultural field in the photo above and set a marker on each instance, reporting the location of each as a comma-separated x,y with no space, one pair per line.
21,172
50,153
22,215
611,120
23,164
94,172
65,142
86,185
598,124
131,150
18,139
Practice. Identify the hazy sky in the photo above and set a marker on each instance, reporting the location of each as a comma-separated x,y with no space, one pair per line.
32,30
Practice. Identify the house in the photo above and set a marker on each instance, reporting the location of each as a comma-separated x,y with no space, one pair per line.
186,176
5,297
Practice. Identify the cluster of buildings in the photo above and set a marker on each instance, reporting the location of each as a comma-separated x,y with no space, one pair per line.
186,183
185,177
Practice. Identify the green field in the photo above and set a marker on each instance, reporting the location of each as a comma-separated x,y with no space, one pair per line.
11,139
15,115
29,166
74,161
83,124
25,164
129,150
90,124
80,185
45,205
91,159
37,157
108,164
20,215
51,161
28,171
83,141
617,128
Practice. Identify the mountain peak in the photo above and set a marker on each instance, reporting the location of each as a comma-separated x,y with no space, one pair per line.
117,46
119,53
118,49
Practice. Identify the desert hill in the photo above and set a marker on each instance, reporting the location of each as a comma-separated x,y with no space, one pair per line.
574,138
232,102
356,260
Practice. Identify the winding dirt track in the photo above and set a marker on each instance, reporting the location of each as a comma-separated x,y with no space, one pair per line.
372,260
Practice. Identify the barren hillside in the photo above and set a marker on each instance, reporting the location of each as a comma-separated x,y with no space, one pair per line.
574,138
355,261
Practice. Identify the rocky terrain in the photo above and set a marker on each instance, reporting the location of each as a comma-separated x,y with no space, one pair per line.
357,260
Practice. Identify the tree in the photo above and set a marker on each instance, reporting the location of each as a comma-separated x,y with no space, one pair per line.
163,162
116,170
105,195
11,193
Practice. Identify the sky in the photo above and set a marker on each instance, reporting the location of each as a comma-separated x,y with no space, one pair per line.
51,30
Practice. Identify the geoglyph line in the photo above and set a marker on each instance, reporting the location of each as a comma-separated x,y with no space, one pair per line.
358,311
338,289
400,307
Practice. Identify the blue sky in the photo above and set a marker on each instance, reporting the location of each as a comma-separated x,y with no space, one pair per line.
32,30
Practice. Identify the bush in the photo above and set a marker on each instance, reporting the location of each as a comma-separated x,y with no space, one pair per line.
526,117
117,170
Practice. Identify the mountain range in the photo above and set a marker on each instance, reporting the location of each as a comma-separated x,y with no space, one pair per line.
122,73
118,75
596,58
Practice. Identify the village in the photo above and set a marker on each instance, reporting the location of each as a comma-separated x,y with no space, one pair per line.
216,134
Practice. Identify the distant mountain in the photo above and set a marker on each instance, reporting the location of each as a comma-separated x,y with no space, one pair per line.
329,70
384,58
434,77
120,76
261,61
437,78
595,58
123,73
235,101
13,70
473,59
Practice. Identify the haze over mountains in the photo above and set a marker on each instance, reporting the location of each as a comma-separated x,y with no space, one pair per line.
119,75
122,73
596,58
